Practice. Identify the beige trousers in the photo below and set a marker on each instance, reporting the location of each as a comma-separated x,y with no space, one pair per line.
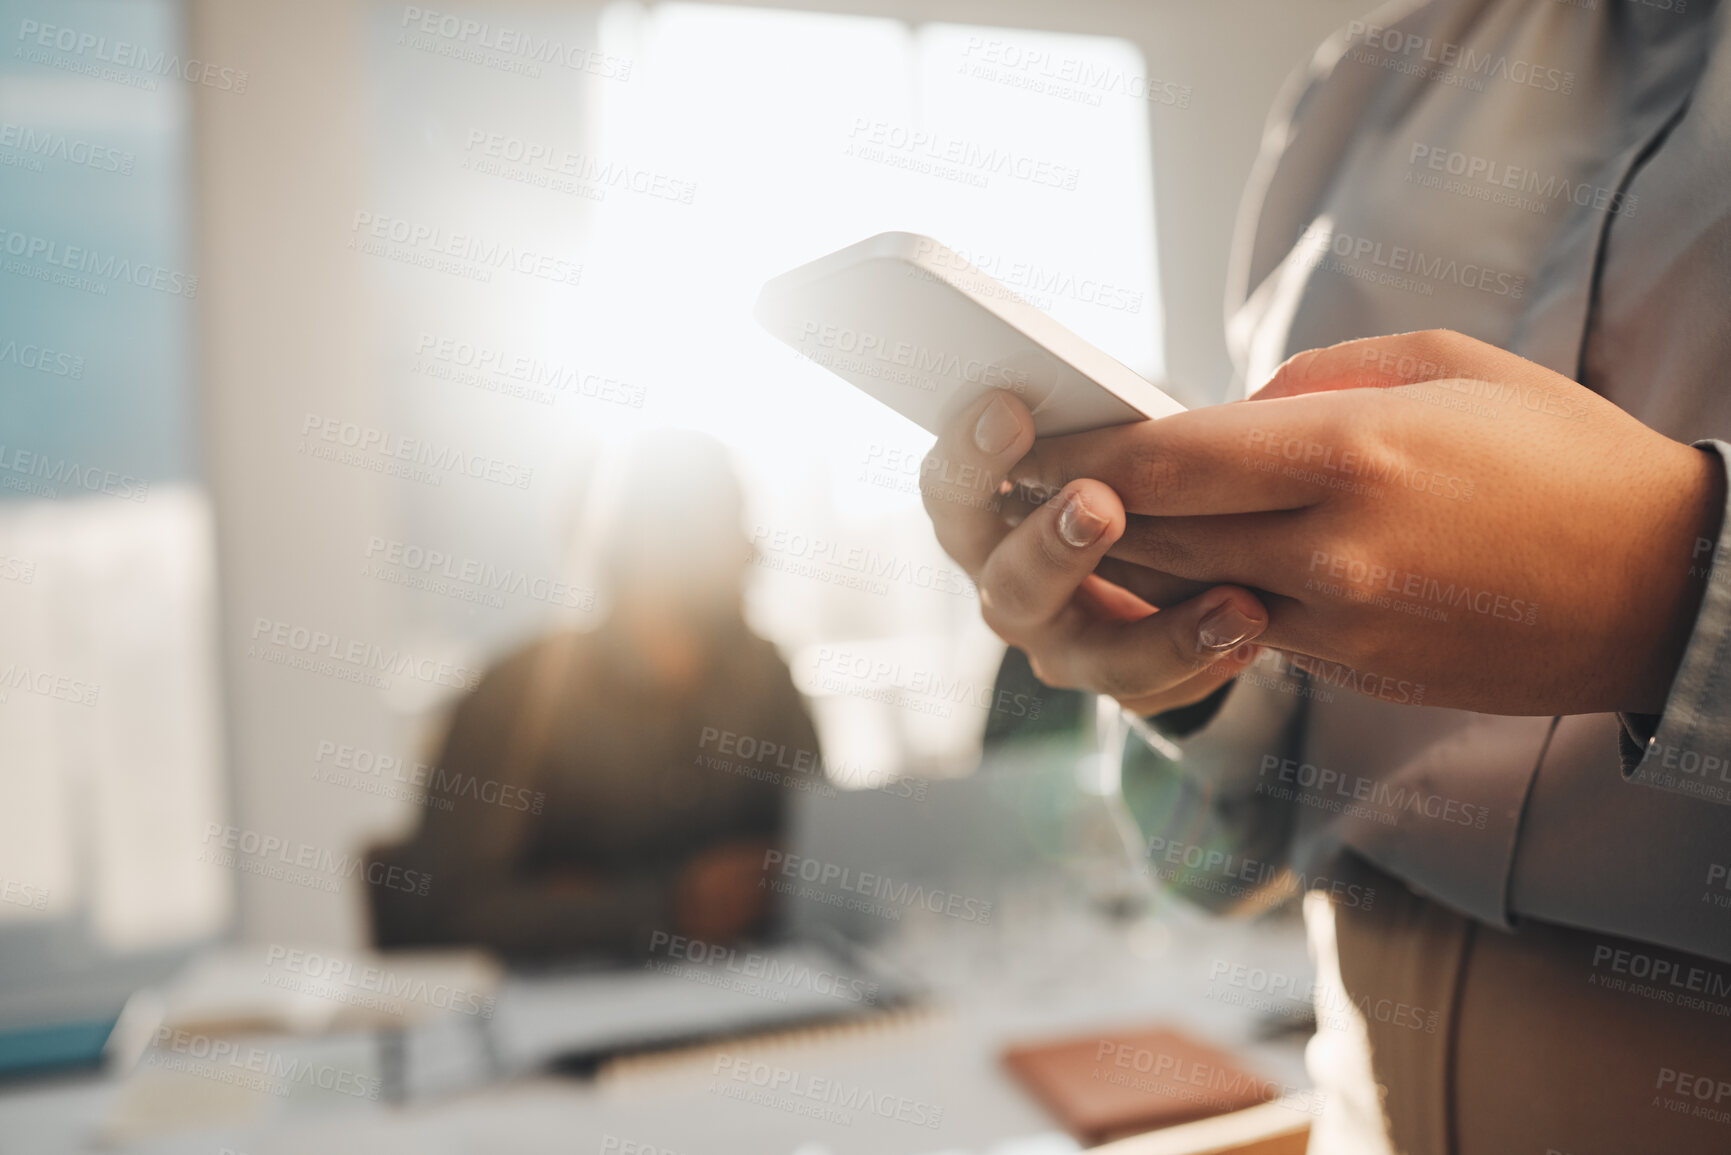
1441,1036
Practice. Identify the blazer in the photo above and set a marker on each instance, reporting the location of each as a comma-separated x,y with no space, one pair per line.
1553,178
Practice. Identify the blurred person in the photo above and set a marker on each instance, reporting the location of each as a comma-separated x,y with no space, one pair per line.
1435,627
591,798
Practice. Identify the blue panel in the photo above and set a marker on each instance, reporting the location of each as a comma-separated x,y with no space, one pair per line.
54,1047
97,288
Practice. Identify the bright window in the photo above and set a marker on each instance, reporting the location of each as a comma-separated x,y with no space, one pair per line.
716,147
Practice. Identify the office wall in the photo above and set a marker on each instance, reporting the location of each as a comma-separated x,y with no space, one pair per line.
288,329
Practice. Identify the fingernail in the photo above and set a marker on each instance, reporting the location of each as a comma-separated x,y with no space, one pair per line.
996,428
1225,626
1079,525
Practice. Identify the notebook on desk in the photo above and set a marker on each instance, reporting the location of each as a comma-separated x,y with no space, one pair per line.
1107,1085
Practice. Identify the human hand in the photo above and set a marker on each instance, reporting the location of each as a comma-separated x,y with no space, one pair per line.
1149,640
1427,507
720,893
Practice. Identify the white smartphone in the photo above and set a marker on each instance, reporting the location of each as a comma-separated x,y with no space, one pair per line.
913,324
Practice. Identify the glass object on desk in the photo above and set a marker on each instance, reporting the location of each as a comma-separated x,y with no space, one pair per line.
1107,851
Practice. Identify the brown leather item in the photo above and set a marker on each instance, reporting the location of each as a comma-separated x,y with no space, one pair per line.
1104,1086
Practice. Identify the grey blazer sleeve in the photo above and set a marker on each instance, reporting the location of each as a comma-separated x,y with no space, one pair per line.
1634,839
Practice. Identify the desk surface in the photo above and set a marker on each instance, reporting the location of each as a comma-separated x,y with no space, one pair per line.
991,985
